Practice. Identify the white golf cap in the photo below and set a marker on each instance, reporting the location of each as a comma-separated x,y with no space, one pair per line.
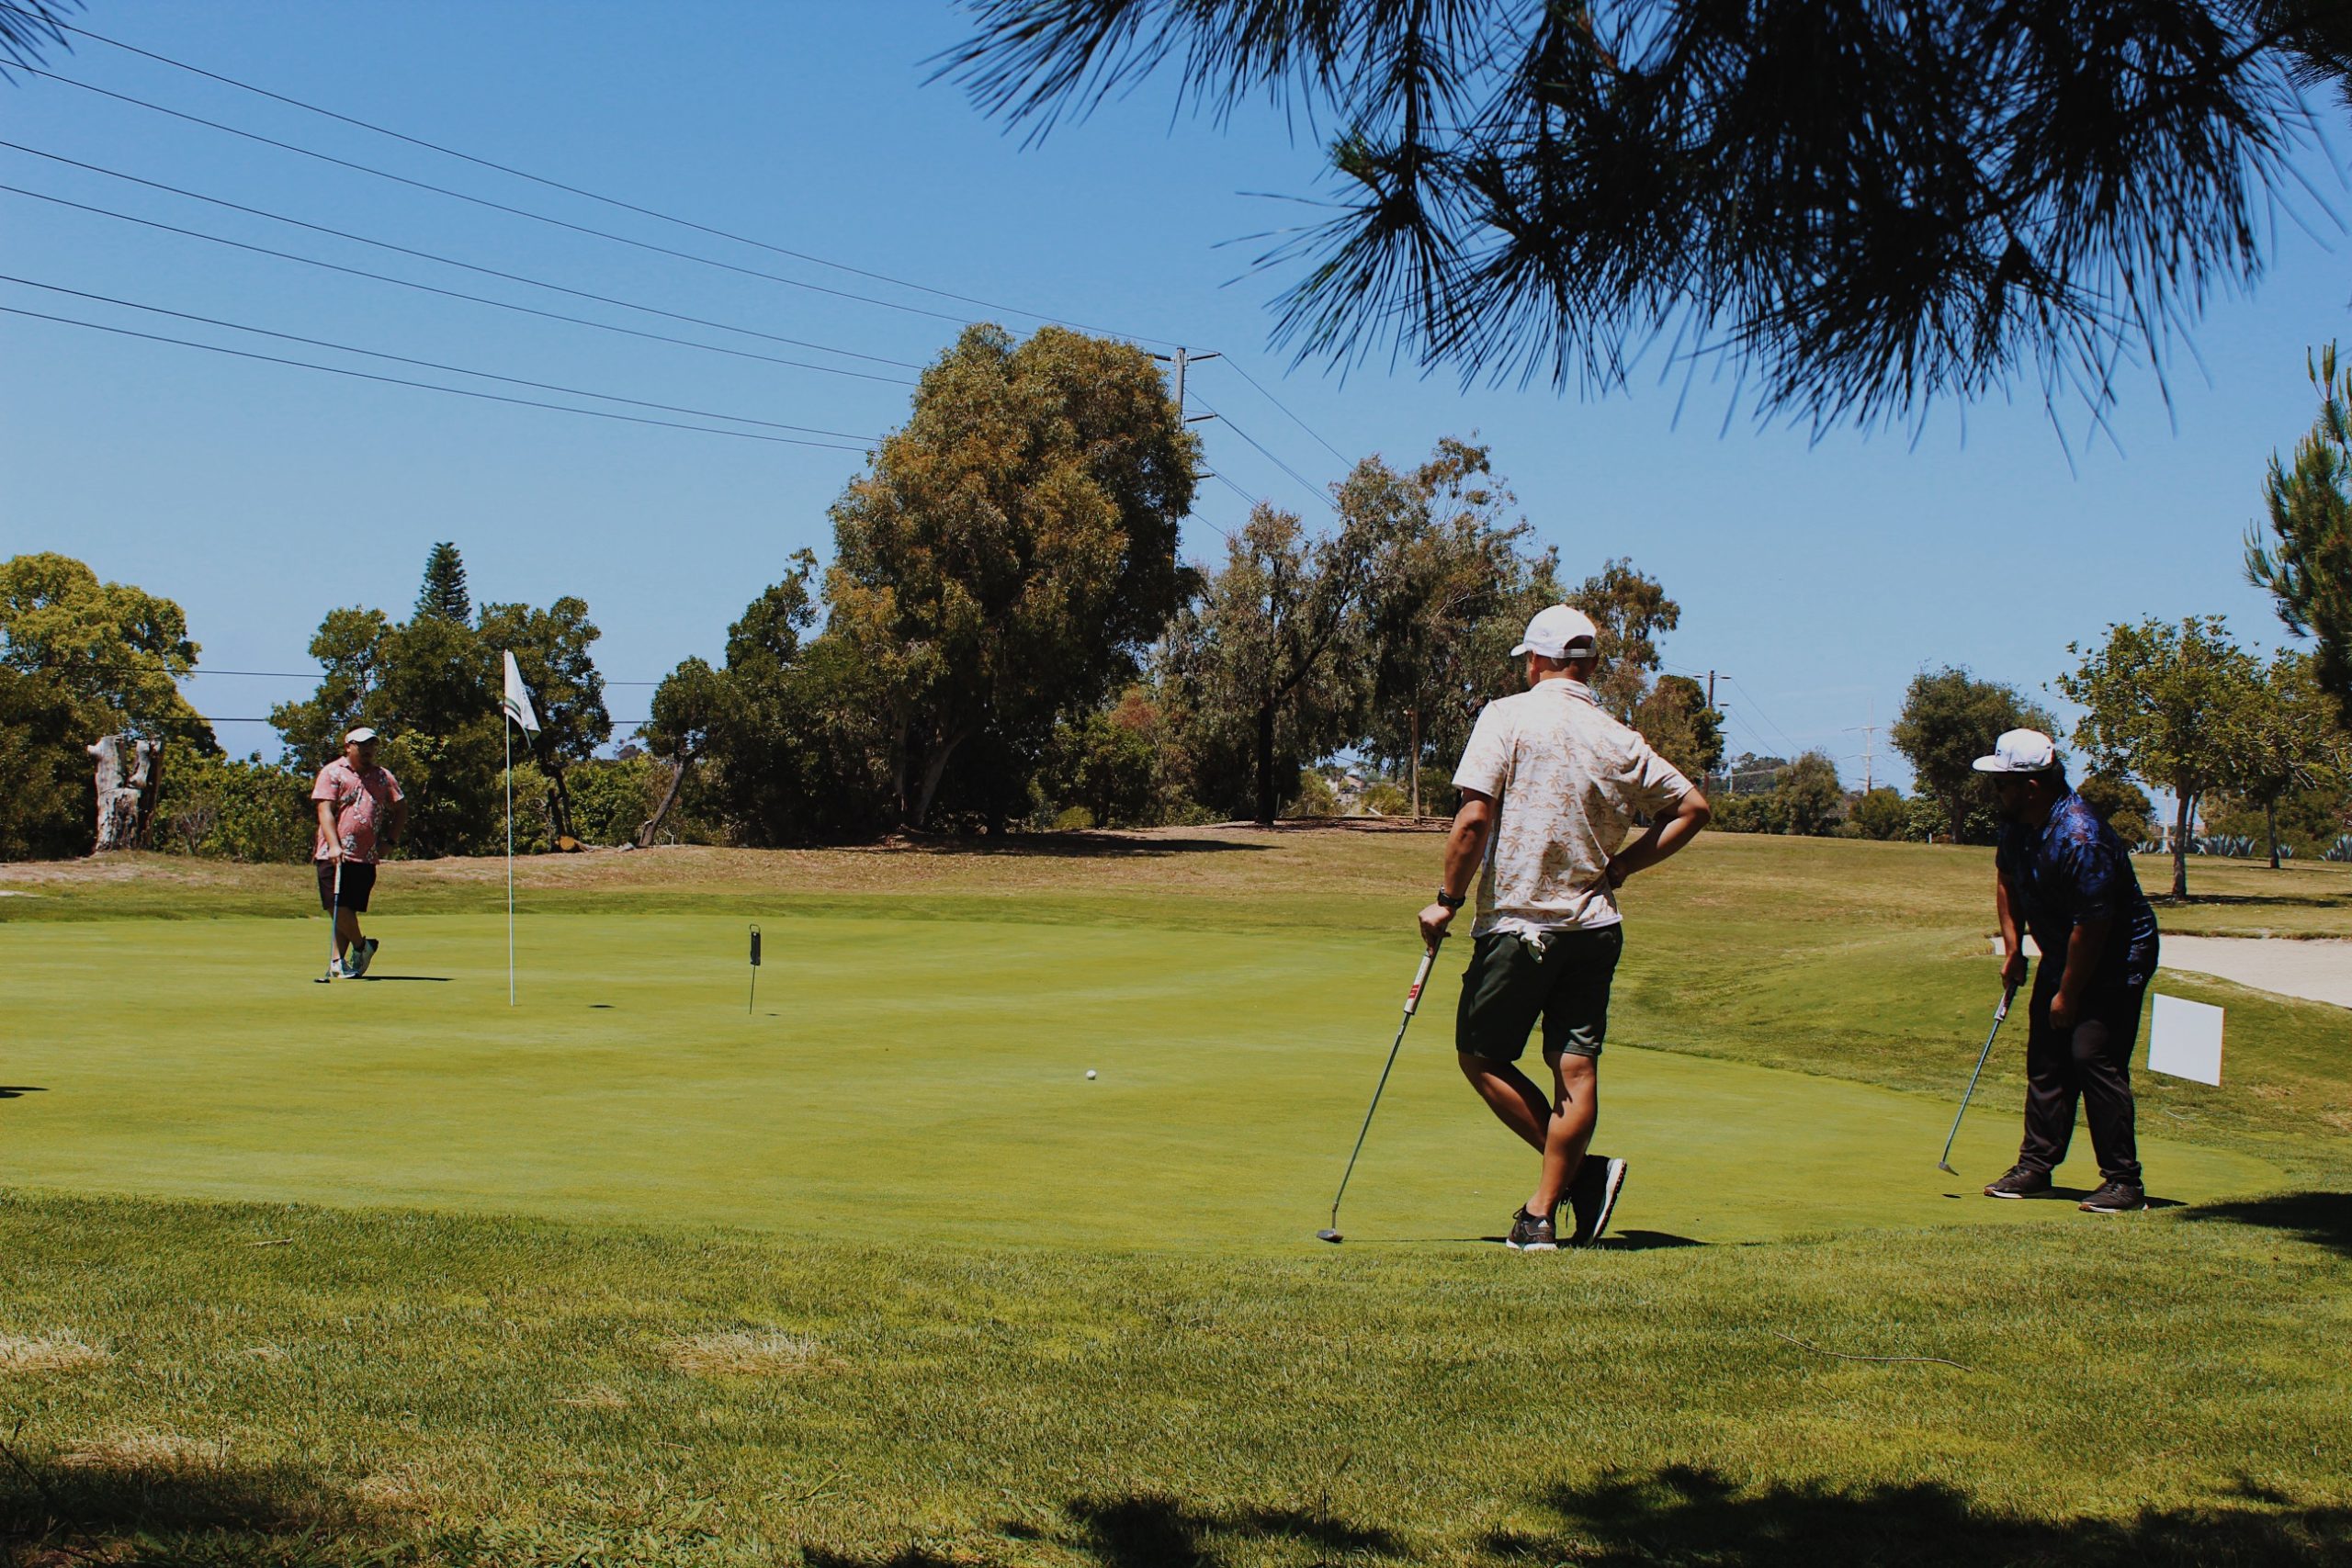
2021,751
359,737
1557,629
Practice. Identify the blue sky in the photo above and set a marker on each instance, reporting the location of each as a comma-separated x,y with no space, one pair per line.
1818,574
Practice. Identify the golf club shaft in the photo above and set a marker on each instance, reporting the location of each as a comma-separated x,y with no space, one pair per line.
334,913
1412,1005
1999,1014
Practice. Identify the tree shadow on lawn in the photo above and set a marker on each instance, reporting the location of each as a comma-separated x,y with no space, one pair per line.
2308,899
2323,1219
1684,1514
172,1507
1075,846
1149,1530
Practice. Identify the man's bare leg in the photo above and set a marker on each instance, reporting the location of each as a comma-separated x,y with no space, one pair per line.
1570,1128
1512,1095
346,931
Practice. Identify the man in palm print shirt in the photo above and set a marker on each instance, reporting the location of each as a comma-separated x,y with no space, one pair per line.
2062,873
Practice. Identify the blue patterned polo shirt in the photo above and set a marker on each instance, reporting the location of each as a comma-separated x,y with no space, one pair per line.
2070,869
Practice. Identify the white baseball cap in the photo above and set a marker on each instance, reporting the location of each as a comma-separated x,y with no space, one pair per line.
360,736
2021,751
1555,630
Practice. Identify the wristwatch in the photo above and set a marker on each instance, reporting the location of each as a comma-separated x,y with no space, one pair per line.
1451,900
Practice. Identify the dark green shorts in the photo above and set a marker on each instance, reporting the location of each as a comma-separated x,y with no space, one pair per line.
1513,980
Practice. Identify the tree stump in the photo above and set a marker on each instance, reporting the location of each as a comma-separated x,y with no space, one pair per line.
126,805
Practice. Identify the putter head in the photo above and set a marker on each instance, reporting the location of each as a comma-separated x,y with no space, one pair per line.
1331,1237
1946,1168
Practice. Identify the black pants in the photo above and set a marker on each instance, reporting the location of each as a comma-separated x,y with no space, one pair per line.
2092,1063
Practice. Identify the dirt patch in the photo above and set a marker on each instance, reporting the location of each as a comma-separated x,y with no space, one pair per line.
746,1353
394,1491
164,1451
597,1396
56,1353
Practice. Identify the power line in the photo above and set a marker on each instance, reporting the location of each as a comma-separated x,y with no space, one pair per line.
1269,397
314,675
577,190
432,365
457,293
209,719
500,206
450,261
426,386
1305,483
1785,739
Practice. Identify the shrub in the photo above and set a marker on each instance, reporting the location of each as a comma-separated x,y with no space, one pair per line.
1881,813
224,810
1316,797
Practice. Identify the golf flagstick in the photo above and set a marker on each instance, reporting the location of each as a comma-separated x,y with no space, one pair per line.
508,735
516,705
1412,1004
1943,1161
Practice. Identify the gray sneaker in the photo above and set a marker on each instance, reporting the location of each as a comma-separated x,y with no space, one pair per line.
2022,1181
1532,1232
361,957
1592,1197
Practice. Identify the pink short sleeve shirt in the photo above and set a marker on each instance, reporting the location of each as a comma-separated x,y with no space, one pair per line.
361,801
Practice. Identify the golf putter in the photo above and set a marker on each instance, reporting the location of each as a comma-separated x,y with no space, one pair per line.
1943,1161
335,919
1412,1004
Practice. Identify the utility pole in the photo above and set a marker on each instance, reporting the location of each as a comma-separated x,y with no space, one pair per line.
1180,360
1867,732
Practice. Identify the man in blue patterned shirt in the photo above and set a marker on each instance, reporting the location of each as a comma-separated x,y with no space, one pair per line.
2062,873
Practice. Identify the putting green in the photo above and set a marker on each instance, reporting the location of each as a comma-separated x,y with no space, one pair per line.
907,1077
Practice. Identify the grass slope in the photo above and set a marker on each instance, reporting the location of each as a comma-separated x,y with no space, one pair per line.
877,1278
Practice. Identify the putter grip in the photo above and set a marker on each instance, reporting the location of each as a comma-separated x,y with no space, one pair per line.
1421,978
2003,1010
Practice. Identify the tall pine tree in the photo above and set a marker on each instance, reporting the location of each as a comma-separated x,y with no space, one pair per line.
444,596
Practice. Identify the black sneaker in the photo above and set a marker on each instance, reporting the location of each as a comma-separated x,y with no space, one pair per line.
1592,1196
2114,1198
2022,1181
1532,1232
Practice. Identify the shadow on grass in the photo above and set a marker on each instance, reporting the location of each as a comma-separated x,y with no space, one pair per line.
2306,899
18,1091
1075,846
170,1508
1683,1514
1686,1514
2323,1219
1151,1531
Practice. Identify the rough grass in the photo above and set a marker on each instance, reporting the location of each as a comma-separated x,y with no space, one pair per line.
900,1380
1045,1405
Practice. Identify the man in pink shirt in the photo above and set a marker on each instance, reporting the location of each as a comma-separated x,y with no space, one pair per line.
360,808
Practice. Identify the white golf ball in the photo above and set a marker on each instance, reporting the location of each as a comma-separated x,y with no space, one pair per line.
1089,1072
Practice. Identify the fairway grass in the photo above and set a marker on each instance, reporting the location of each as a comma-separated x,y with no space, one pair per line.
874,1276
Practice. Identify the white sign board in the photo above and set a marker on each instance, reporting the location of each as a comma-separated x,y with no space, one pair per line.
2185,1040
